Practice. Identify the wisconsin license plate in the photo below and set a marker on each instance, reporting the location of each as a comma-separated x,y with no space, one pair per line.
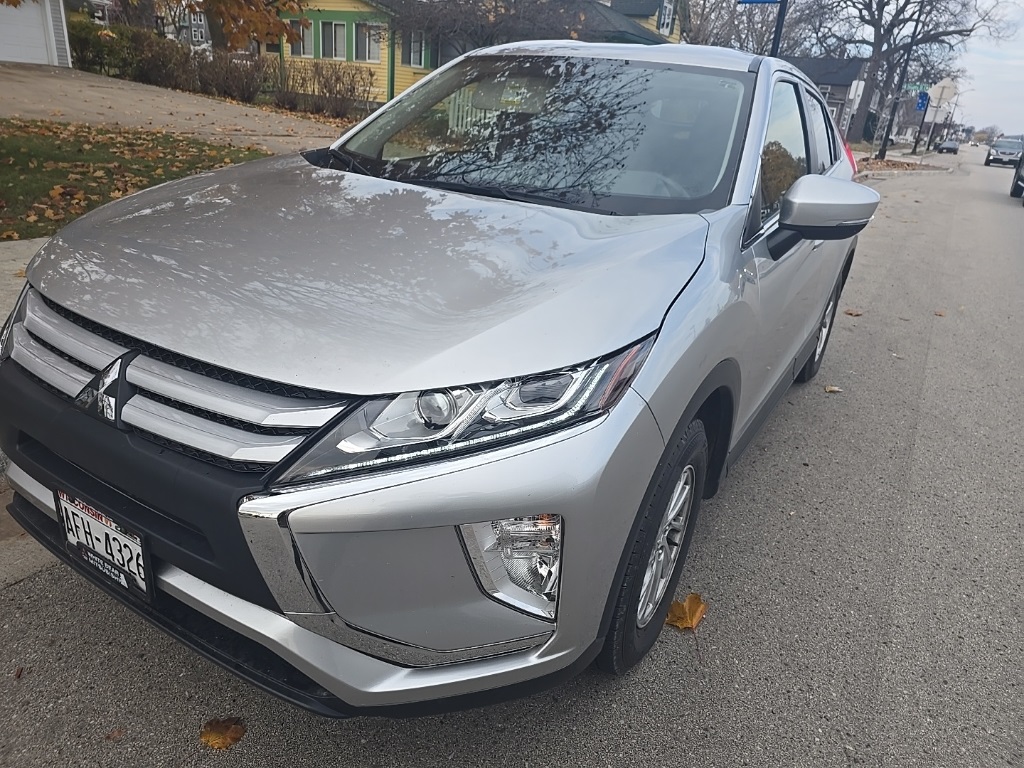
107,546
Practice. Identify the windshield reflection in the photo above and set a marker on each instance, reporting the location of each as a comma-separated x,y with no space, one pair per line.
595,134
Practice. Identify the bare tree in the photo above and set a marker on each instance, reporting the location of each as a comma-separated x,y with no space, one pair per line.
881,30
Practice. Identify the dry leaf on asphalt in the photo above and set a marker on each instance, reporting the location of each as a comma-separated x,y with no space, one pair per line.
18,673
222,732
20,272
852,312
832,390
940,313
686,614
115,735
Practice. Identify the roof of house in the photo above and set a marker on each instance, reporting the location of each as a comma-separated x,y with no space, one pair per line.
645,8
828,71
612,26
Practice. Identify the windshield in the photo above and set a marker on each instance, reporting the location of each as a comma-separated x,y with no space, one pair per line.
1004,144
604,135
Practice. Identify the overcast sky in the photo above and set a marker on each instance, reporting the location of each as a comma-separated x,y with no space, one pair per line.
996,75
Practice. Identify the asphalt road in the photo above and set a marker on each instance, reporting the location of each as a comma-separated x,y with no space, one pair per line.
862,566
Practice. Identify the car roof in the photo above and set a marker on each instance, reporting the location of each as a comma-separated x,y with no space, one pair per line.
671,53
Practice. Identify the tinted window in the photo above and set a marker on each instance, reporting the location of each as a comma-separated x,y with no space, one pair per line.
1005,144
821,135
784,157
596,134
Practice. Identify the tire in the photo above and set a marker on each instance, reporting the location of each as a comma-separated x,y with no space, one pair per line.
640,610
1017,183
987,162
828,321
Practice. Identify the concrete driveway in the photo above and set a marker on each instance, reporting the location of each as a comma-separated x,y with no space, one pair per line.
67,95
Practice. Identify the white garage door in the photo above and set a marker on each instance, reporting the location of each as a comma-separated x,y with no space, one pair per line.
23,33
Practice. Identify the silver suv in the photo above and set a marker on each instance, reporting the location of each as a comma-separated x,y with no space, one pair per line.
425,418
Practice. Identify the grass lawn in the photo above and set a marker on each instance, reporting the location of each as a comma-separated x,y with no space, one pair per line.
51,173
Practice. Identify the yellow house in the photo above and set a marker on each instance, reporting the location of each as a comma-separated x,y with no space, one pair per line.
357,32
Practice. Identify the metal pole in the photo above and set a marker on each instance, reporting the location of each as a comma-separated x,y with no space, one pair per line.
924,114
899,86
780,19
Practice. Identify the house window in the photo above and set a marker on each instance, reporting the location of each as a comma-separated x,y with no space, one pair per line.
332,40
198,35
368,42
417,49
272,47
198,19
304,45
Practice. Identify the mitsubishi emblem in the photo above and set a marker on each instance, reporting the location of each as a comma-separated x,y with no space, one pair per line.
102,395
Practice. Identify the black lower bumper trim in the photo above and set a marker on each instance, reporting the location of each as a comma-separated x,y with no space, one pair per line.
258,665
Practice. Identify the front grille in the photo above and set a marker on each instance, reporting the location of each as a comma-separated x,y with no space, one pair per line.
231,419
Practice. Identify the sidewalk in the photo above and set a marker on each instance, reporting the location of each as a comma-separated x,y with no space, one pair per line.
67,95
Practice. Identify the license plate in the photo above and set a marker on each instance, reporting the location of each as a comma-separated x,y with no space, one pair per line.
104,544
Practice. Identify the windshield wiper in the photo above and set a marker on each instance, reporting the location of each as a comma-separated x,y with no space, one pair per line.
487,190
349,159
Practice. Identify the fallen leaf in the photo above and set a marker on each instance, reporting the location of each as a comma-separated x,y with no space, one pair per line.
31,218
115,735
940,313
222,732
686,614
56,192
9,234
18,673
852,312
20,272
832,390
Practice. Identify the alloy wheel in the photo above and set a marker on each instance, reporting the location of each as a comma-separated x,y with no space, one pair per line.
667,547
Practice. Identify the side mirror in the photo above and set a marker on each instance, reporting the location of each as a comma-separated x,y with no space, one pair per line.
822,208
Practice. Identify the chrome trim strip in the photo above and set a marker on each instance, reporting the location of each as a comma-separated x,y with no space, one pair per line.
46,365
230,399
69,338
209,436
37,493
335,628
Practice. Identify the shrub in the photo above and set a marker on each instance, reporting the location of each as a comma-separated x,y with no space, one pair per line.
324,87
237,76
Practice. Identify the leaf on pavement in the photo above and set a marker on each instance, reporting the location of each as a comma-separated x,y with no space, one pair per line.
18,672
20,272
222,732
688,613
832,390
940,313
852,312
9,234
115,735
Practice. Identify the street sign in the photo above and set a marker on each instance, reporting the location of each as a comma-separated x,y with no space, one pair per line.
916,87
922,101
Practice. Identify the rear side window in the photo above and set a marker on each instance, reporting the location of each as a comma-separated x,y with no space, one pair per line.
784,157
821,135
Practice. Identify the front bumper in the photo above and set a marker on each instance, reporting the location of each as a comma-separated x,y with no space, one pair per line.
1003,160
374,606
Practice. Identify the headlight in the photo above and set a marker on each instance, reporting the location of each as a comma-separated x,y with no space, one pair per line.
15,317
432,423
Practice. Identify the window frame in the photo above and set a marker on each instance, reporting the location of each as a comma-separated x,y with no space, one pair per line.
830,133
198,35
334,39
301,43
424,58
369,30
196,18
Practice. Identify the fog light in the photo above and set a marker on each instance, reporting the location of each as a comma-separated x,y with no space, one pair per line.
517,559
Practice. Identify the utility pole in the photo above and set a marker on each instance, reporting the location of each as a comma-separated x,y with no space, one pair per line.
899,85
780,19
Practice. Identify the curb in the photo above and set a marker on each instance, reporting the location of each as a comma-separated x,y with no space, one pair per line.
892,174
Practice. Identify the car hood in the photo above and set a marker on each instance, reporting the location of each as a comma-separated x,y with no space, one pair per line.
347,283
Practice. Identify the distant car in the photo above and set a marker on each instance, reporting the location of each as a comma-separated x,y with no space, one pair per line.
1004,152
974,143
949,146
